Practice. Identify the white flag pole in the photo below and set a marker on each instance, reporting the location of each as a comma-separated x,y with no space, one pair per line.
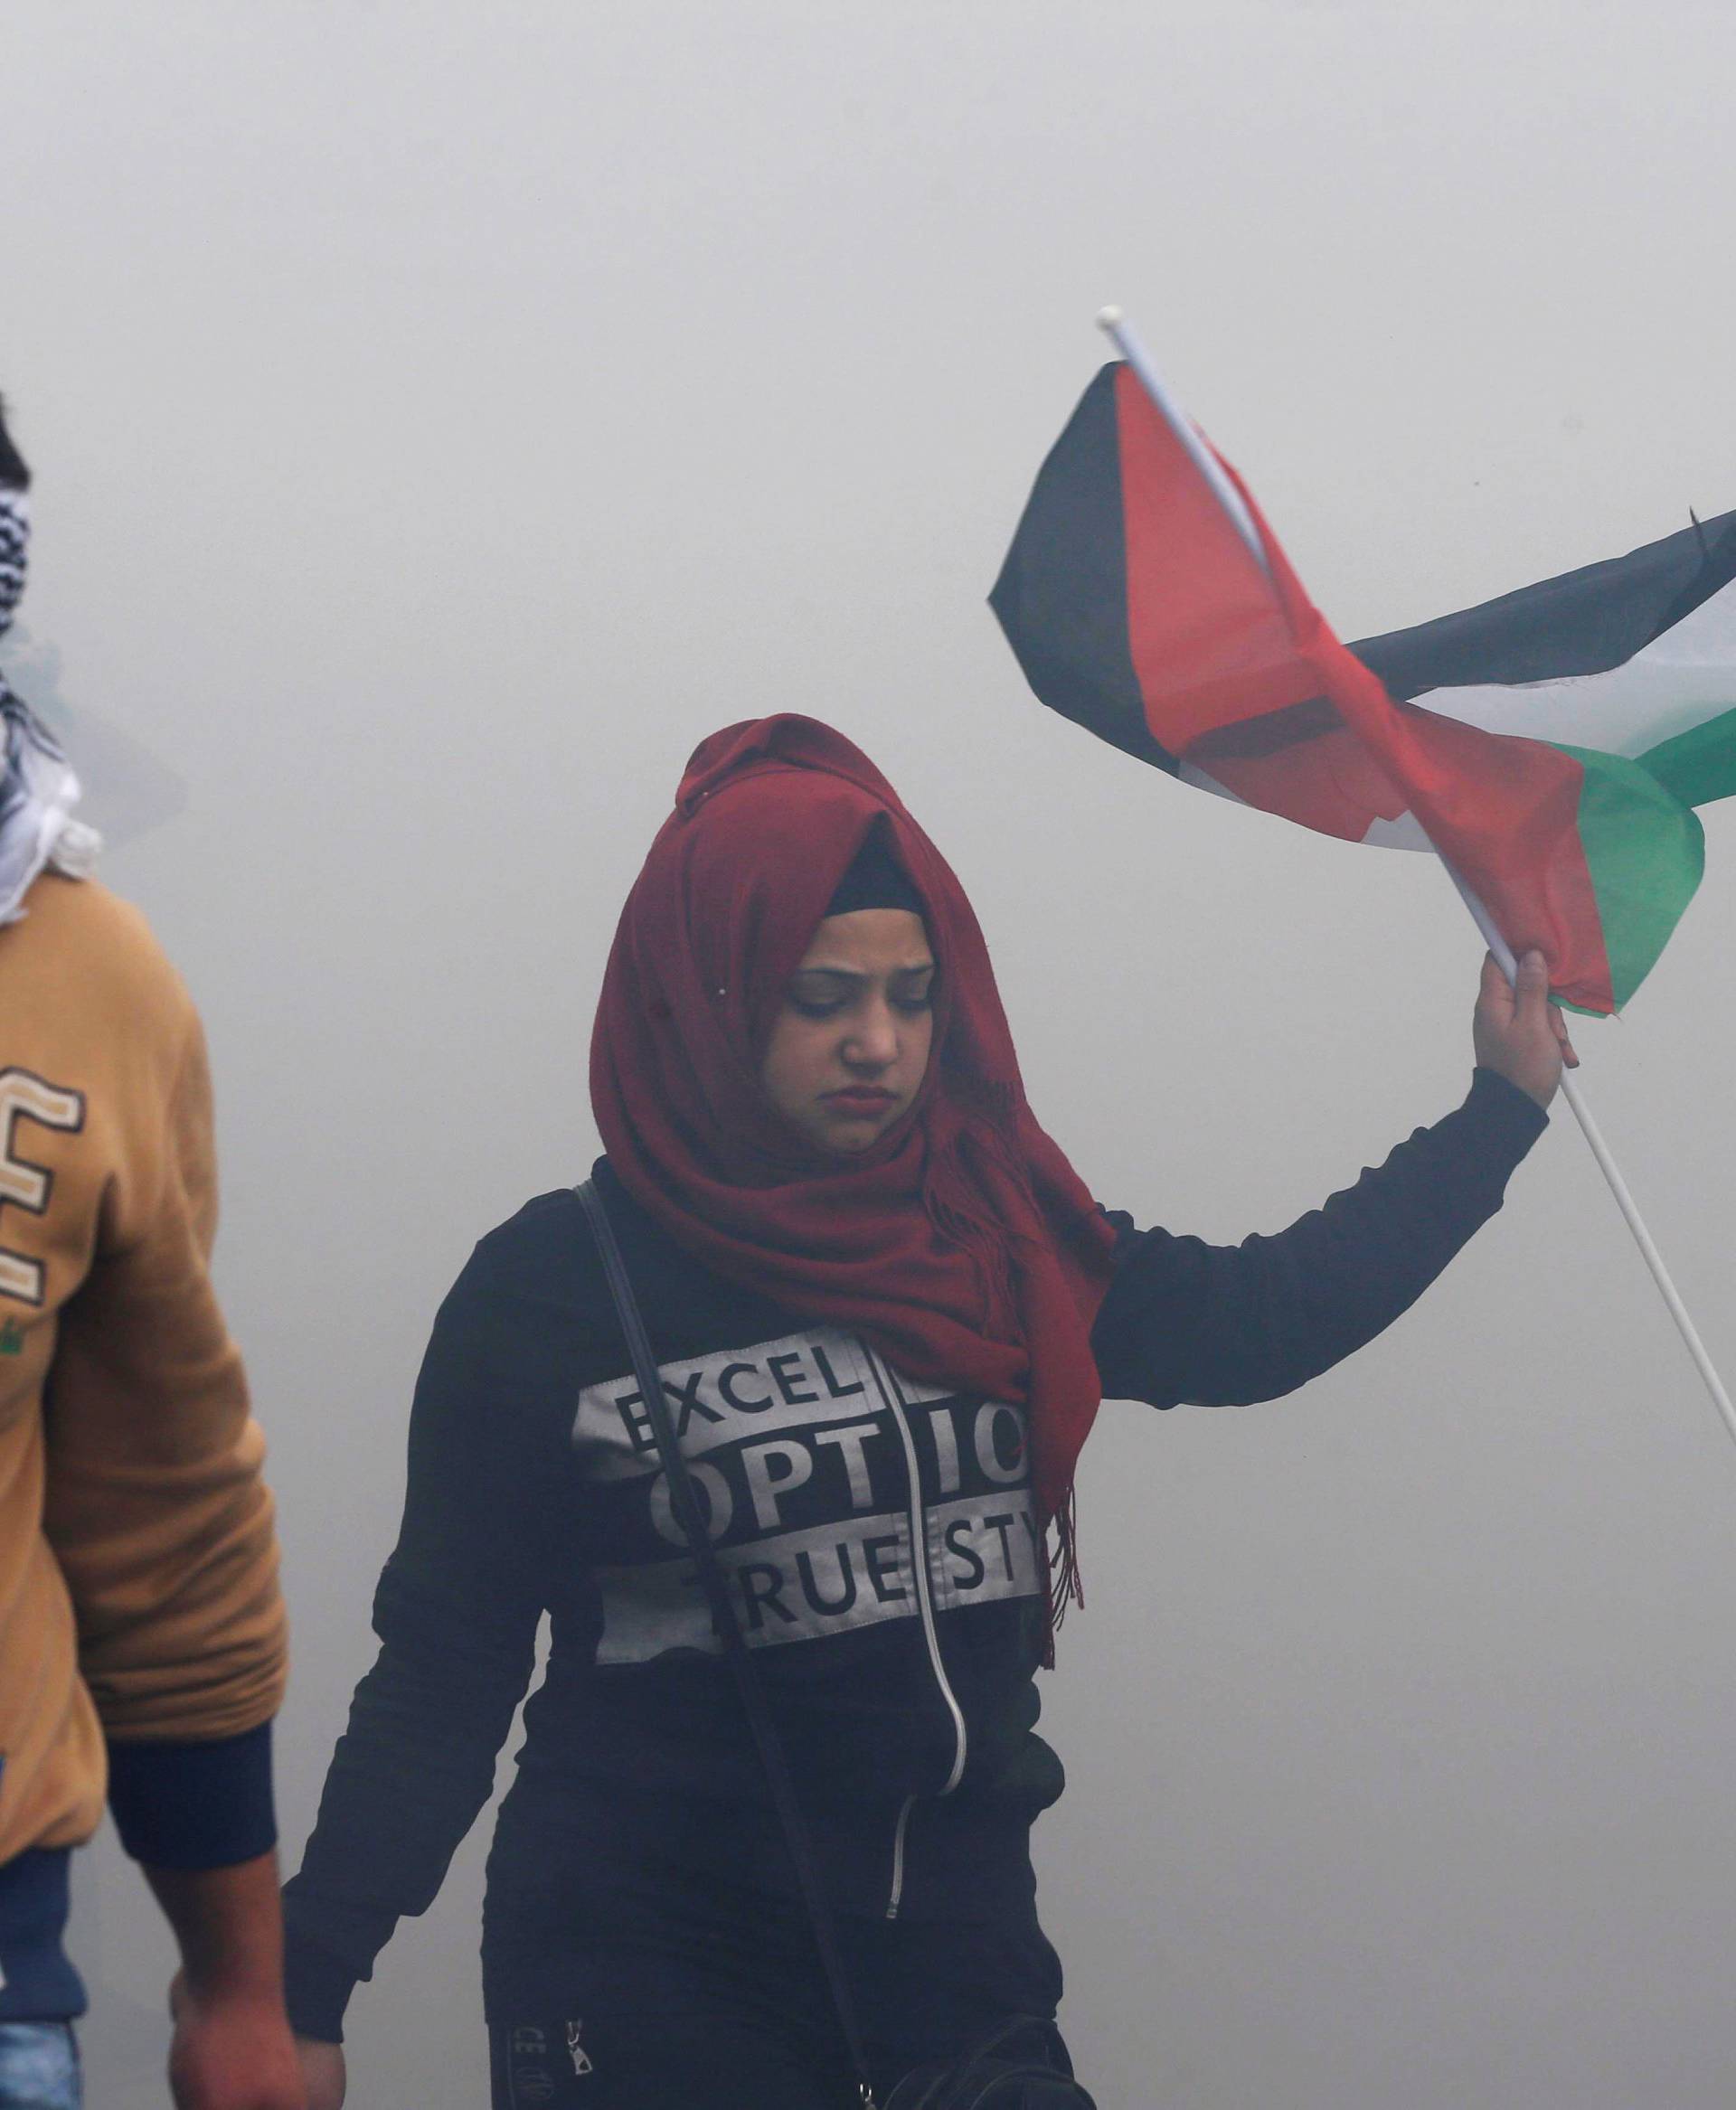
1115,326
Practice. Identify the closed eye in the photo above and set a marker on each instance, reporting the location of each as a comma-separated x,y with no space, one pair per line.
820,993
817,994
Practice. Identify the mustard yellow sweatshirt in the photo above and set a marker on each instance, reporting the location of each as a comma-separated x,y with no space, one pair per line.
141,1627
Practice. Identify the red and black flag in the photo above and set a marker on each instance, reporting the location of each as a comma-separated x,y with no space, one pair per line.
1567,732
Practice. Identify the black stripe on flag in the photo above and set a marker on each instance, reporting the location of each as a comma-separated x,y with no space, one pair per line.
1583,623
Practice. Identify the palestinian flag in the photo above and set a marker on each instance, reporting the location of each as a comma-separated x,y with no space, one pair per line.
1551,744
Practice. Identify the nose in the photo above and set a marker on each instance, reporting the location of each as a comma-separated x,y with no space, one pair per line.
873,1041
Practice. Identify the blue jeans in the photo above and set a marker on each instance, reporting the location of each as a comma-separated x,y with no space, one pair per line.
39,2066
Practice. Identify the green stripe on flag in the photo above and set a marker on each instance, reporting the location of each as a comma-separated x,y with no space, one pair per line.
1698,765
1645,849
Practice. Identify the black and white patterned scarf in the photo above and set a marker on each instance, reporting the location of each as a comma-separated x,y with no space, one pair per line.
38,788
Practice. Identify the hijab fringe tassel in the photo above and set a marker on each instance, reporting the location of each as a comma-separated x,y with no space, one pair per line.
1061,1581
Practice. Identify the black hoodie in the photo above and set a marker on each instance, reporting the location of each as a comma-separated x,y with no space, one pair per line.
879,1534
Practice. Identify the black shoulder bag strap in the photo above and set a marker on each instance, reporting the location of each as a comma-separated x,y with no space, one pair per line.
729,1628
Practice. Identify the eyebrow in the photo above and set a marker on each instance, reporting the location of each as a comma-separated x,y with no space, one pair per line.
855,975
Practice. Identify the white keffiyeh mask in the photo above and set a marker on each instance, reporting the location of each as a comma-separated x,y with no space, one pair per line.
38,788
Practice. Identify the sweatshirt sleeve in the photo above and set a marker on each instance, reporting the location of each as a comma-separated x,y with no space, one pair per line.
157,1513
457,1612
1226,1325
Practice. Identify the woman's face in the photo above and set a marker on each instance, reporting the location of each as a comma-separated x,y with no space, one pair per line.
850,1043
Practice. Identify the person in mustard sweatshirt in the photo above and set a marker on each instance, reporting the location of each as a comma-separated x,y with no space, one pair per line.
141,1626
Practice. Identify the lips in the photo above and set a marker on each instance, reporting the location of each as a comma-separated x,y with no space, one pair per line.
861,1100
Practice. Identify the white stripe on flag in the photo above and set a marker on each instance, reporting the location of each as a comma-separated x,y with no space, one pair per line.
1676,683
1404,833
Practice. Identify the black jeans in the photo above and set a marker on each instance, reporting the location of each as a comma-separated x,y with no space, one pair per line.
705,1996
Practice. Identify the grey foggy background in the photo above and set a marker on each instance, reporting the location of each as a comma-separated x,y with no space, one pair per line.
443,415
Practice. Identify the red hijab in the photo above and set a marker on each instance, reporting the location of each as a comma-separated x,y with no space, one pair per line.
962,1245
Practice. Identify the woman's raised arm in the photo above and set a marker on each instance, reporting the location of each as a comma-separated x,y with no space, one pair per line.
1226,1325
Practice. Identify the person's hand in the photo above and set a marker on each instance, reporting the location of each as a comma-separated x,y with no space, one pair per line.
233,2051
1518,1032
322,2073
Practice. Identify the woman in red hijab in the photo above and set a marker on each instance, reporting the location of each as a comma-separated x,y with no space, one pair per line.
885,1309
941,1221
